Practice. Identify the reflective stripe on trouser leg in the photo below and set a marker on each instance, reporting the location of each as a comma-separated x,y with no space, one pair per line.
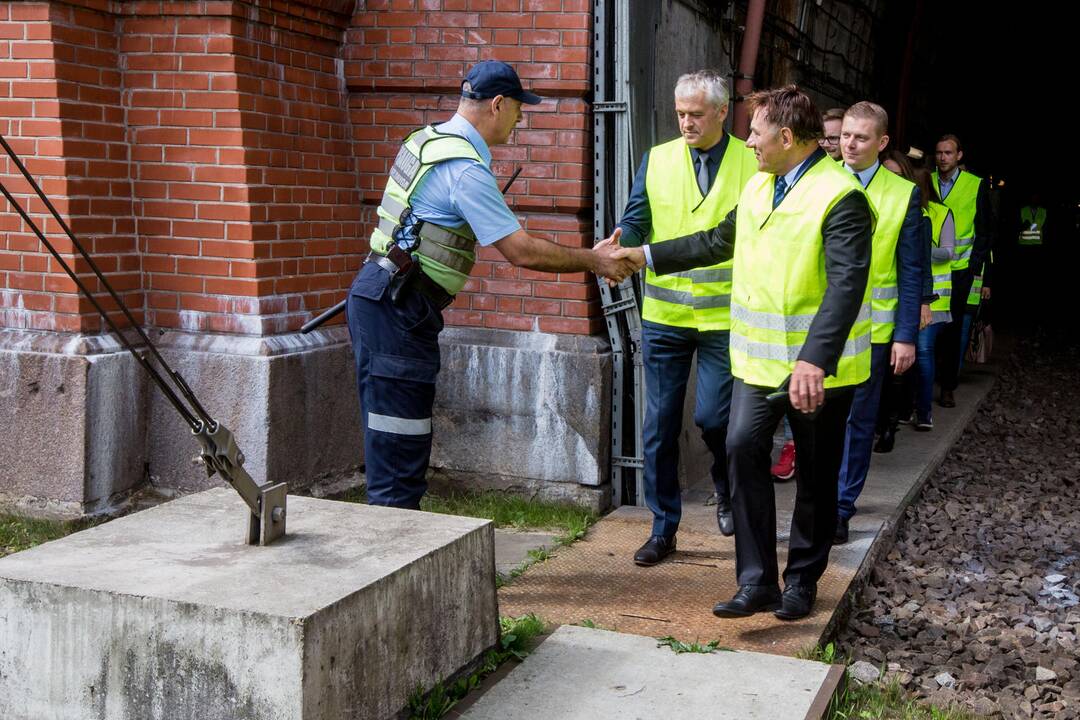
395,373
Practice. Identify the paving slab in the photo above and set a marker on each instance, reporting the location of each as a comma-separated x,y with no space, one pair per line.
600,675
512,547
596,579
166,615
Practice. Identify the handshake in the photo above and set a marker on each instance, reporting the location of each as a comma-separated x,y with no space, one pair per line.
615,263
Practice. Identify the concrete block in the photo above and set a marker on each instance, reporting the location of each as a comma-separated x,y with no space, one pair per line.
587,674
290,400
165,615
528,412
74,423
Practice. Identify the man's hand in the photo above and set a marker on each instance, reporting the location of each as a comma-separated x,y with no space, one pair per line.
806,389
985,293
614,262
925,316
903,356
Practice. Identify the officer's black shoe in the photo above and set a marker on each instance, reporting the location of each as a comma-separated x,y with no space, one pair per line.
656,549
887,440
841,535
796,602
947,399
748,600
725,521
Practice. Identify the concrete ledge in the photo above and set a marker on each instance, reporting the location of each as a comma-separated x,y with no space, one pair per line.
597,674
74,423
523,412
164,615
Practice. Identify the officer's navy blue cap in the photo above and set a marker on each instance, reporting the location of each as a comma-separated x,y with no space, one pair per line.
490,78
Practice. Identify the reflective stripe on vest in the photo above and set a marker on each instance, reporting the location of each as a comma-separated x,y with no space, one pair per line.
936,213
779,278
445,254
1032,221
698,298
891,197
962,200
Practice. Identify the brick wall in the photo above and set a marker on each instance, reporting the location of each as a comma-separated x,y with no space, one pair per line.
222,160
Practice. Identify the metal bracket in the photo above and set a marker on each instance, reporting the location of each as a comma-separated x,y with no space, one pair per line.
630,462
620,306
609,107
267,503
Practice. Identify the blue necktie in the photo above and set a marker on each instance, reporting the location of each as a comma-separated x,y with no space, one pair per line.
778,191
703,174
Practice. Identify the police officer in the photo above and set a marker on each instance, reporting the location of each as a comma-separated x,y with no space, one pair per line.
800,320
441,201
685,185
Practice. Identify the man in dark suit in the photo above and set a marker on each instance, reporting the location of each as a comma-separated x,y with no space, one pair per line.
800,324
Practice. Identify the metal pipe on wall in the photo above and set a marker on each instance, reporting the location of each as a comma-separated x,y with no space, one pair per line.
744,78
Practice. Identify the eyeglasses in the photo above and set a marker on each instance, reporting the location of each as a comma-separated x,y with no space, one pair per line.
832,139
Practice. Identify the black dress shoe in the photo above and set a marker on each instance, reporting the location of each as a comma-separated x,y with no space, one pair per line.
656,549
947,399
748,600
725,521
796,602
886,442
841,535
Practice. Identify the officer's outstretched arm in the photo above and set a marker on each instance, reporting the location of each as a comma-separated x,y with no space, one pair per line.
524,250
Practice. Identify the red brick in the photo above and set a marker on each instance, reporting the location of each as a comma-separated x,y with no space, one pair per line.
568,326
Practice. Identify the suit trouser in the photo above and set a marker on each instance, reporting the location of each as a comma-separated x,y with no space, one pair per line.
859,440
819,445
948,342
668,353
396,348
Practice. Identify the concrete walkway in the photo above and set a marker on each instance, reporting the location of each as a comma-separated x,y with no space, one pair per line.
595,579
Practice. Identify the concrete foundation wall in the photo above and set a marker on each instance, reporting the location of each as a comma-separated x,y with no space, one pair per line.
522,412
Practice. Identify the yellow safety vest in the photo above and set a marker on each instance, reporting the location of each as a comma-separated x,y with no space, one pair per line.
779,278
698,298
446,254
962,200
1032,221
940,271
890,195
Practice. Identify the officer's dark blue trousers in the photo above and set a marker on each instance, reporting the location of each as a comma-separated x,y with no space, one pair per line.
396,348
668,353
859,443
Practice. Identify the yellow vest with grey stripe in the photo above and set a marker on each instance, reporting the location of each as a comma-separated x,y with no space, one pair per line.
975,295
446,254
962,200
890,195
1031,222
698,298
940,271
779,278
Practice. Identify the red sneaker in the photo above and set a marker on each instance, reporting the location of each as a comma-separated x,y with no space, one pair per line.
784,469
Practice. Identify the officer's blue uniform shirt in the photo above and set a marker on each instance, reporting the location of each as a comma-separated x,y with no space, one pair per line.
465,191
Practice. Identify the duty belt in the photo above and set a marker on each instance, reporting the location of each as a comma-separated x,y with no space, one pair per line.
400,263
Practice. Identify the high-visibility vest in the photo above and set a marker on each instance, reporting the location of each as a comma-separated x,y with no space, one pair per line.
779,278
962,200
1031,225
890,195
975,295
698,298
446,254
941,272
